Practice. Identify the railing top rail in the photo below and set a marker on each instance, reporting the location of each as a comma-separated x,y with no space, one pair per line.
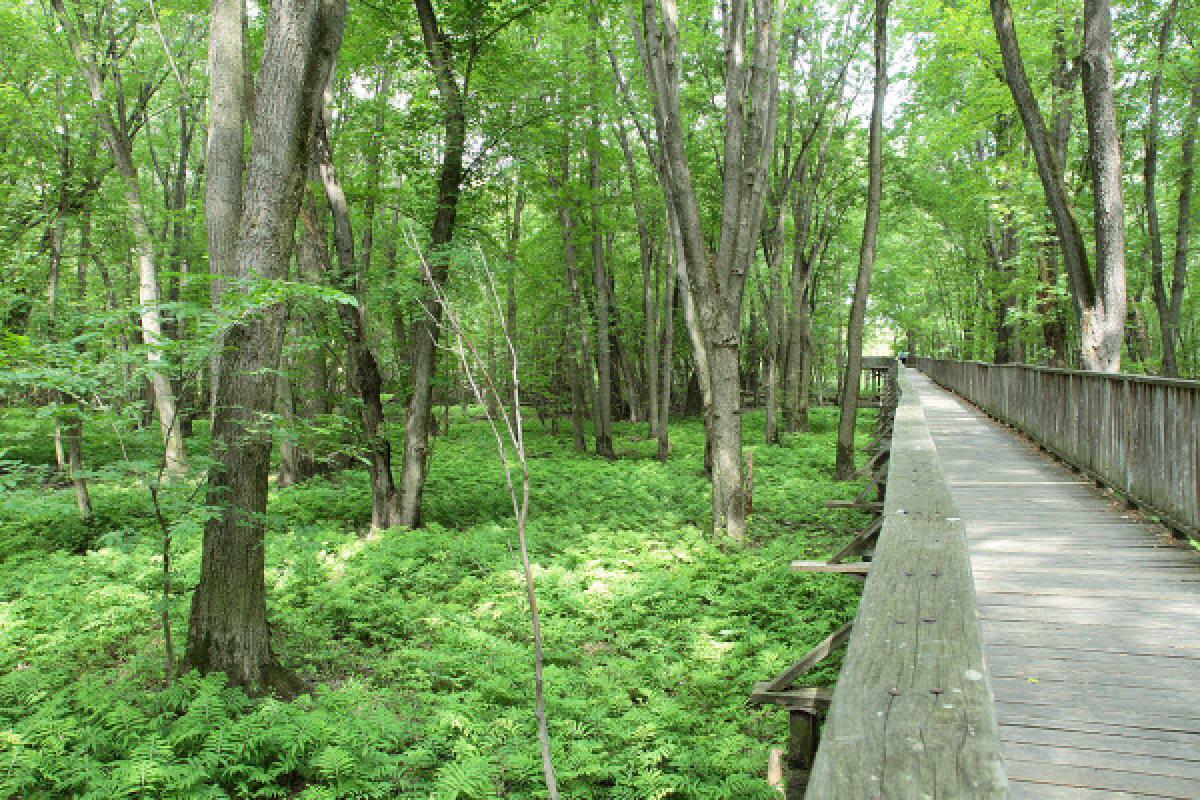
1180,383
912,714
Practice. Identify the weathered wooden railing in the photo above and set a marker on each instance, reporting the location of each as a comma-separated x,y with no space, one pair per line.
912,714
1140,435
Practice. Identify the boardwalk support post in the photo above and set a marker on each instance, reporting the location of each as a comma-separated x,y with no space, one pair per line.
802,751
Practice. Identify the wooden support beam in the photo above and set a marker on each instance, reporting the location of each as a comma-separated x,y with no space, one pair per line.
860,542
851,568
874,461
810,699
860,506
813,657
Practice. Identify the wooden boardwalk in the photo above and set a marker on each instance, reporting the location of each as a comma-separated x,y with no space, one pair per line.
1091,619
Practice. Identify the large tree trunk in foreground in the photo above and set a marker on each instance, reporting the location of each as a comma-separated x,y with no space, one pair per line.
427,327
844,468
228,629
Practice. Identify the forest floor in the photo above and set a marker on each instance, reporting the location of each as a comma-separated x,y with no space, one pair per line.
418,641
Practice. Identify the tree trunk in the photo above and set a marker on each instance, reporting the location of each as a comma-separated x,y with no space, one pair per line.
604,378
362,368
665,352
1104,332
844,468
117,137
224,160
73,430
1099,302
1187,173
427,328
717,281
649,285
228,622
514,241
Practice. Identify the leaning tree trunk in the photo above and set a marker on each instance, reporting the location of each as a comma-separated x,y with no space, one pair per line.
844,468
117,137
228,629
362,368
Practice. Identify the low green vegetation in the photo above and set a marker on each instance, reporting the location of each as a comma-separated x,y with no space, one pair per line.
417,641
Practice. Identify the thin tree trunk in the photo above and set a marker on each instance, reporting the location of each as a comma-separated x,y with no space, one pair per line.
604,380
1187,174
117,137
362,368
649,284
73,430
1150,188
426,329
666,353
514,242
844,468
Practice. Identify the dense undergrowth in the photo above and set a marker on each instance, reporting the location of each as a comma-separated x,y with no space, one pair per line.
418,641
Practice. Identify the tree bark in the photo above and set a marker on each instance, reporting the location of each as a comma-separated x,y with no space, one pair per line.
717,281
844,468
1187,174
1169,305
228,629
666,351
1150,183
118,138
1103,337
604,378
224,160
1099,302
427,328
362,368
